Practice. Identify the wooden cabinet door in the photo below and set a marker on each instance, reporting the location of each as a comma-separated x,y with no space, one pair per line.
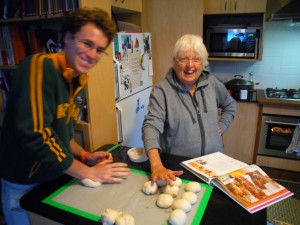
133,5
239,139
216,6
248,6
234,6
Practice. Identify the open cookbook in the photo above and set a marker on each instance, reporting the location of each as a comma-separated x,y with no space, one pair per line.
248,185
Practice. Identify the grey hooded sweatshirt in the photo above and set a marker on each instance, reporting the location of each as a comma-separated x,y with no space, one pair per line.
178,123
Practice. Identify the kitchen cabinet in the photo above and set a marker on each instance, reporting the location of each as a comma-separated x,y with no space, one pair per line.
234,6
239,139
101,126
133,5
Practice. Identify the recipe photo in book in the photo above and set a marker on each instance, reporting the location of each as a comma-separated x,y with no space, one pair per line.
248,185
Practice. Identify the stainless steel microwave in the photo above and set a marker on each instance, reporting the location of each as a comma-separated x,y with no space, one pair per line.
233,42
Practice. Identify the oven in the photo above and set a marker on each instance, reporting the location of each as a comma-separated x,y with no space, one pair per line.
276,134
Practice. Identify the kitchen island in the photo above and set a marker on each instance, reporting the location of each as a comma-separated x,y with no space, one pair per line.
220,208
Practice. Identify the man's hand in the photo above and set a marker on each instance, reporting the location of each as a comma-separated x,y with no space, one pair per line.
99,157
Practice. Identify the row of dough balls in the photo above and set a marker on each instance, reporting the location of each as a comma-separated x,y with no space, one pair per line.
165,200
111,217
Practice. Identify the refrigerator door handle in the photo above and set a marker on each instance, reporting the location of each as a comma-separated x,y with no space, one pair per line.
119,124
117,72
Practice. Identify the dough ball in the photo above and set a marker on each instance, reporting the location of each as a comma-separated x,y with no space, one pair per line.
125,219
90,183
193,186
177,182
190,196
177,217
161,183
182,204
171,190
164,201
109,216
150,187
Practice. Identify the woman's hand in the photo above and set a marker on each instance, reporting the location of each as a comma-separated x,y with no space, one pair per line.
158,171
162,173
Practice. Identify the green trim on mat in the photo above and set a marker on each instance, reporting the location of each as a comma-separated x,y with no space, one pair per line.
49,200
202,206
70,209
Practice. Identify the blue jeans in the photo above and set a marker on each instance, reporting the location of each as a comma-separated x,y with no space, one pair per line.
11,194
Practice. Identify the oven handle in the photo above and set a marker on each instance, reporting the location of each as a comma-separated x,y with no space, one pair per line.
282,123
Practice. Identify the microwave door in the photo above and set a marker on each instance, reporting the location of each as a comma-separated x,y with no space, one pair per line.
232,42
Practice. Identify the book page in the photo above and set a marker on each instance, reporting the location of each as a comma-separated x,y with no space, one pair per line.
252,188
215,164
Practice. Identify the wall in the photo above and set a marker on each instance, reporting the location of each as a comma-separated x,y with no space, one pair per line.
167,20
280,66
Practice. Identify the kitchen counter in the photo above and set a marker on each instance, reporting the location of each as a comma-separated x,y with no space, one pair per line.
262,100
220,209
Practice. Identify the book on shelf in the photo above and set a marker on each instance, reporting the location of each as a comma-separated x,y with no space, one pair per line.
7,53
248,185
18,39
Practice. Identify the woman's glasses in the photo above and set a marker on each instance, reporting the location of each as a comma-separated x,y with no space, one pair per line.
185,61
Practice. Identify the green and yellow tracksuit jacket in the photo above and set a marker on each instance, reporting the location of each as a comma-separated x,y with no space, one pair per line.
43,106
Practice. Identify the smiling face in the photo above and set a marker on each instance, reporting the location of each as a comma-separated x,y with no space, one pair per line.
83,48
188,67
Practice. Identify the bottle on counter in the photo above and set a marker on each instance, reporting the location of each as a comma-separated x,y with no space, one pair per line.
251,81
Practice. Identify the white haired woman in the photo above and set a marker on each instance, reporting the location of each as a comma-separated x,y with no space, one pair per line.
183,117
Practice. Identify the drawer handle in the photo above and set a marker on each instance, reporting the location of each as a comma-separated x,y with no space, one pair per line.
281,123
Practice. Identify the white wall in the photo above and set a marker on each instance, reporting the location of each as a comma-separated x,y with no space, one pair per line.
280,66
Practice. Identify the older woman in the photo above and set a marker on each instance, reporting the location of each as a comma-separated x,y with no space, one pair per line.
183,117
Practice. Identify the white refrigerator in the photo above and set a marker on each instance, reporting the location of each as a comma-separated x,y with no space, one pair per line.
133,84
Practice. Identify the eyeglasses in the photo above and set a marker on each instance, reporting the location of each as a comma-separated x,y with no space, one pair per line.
185,61
87,45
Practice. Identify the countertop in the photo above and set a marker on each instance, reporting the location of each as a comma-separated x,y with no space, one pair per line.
220,209
262,100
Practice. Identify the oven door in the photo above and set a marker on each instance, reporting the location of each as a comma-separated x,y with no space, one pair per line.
276,135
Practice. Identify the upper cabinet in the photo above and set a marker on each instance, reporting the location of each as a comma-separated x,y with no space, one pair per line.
234,6
133,5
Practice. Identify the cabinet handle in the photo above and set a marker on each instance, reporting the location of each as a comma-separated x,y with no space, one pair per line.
122,1
225,4
281,123
235,4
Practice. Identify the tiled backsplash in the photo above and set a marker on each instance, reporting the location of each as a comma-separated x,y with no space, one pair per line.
280,66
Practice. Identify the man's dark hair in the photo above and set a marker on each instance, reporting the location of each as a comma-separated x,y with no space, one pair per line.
99,17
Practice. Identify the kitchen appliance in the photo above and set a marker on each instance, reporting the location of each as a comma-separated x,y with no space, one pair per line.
284,94
290,11
133,84
241,89
233,41
276,134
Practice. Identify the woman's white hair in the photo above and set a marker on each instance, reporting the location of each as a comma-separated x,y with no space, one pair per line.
191,42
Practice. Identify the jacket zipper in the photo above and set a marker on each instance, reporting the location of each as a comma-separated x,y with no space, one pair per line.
195,103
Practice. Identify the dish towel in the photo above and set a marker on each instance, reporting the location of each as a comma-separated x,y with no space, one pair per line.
295,143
